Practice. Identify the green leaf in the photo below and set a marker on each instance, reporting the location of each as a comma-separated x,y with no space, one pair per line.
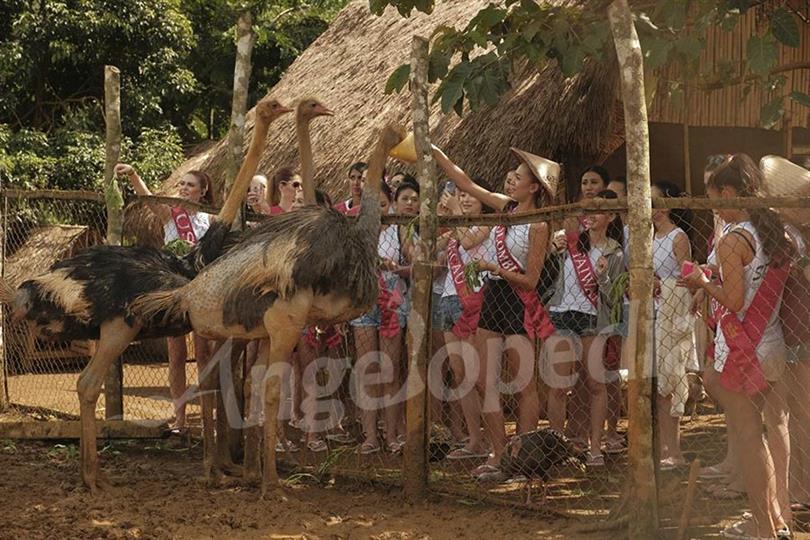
785,28
398,78
656,52
690,47
800,97
762,54
674,13
438,63
572,61
488,17
771,113
452,87
459,106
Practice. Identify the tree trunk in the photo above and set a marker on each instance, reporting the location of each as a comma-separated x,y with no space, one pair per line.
642,507
3,379
415,467
114,383
245,39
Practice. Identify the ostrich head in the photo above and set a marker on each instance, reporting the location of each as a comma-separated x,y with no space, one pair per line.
309,108
270,109
369,218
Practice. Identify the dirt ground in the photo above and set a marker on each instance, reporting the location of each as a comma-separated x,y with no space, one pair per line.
157,494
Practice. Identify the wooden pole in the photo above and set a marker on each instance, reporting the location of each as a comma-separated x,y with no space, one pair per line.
114,382
415,467
3,380
245,39
691,488
788,134
687,158
642,505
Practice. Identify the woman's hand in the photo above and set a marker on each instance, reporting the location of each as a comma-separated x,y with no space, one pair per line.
124,169
696,279
450,202
559,242
698,299
601,265
487,266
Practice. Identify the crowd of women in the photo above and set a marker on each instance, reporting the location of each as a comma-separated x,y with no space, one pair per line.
538,311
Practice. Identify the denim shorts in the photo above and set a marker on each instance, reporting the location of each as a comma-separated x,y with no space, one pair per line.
372,318
450,311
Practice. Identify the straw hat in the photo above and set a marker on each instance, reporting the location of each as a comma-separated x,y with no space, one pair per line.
545,170
783,178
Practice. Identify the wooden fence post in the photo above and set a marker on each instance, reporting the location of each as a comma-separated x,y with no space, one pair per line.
642,504
3,382
415,466
114,382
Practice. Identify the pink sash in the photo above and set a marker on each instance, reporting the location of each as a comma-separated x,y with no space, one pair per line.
388,302
742,371
536,321
182,222
586,275
471,301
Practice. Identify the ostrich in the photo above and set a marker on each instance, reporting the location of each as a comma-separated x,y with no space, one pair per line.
87,297
311,266
534,454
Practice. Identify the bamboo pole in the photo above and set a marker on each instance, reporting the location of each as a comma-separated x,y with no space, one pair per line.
415,466
114,381
642,508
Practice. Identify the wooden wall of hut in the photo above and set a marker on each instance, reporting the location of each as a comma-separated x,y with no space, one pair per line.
730,106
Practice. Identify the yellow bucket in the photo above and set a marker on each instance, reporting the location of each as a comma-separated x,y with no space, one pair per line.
405,150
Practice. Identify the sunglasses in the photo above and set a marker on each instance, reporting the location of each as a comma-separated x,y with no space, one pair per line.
296,184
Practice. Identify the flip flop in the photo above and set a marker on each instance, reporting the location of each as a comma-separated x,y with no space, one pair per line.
369,448
465,453
317,446
737,531
670,464
340,438
486,468
712,472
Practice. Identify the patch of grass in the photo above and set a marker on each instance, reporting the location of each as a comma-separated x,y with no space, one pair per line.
7,446
64,452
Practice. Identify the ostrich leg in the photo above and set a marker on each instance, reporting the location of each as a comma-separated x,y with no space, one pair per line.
252,463
284,322
115,336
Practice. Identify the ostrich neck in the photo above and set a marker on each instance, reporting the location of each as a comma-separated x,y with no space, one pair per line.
249,165
369,219
307,164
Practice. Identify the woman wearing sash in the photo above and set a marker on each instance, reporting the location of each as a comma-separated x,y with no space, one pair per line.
178,223
580,309
674,324
749,348
378,341
512,315
459,312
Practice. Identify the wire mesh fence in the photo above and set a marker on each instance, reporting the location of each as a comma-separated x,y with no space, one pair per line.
527,385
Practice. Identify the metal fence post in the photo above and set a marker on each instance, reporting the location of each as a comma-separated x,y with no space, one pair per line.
114,382
415,467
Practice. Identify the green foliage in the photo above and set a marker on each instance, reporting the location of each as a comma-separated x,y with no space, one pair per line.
672,32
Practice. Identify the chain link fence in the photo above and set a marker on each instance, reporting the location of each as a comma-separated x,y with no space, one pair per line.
527,387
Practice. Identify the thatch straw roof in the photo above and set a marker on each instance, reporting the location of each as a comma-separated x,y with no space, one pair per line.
570,120
43,247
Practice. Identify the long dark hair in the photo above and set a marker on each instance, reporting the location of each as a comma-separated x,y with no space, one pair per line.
478,181
681,217
742,174
615,228
598,169
205,185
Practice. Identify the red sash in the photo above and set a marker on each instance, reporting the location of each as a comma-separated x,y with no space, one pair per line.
343,208
536,321
388,302
471,301
586,275
182,222
742,371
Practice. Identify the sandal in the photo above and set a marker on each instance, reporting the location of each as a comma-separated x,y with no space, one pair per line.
737,530
670,464
369,448
486,468
317,446
712,472
595,460
466,453
394,447
340,438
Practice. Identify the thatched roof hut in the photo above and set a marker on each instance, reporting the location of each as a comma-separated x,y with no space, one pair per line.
569,120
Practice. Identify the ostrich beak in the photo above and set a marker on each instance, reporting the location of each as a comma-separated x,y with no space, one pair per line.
323,111
283,110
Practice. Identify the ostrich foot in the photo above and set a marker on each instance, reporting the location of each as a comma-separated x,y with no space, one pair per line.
273,491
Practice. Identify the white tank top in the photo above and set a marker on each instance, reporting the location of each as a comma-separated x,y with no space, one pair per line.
665,264
517,242
772,342
480,252
573,298
200,221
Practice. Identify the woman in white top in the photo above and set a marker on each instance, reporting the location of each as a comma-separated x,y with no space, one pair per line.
674,327
754,246
194,186
458,317
500,335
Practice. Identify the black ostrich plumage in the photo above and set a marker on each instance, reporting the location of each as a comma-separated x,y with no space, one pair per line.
113,276
535,454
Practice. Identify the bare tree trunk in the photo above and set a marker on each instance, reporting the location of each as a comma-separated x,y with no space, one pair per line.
415,467
642,507
114,383
245,39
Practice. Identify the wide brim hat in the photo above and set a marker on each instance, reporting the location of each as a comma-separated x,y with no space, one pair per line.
545,170
783,178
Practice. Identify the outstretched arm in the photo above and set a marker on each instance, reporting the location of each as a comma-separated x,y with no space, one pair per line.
137,183
498,201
